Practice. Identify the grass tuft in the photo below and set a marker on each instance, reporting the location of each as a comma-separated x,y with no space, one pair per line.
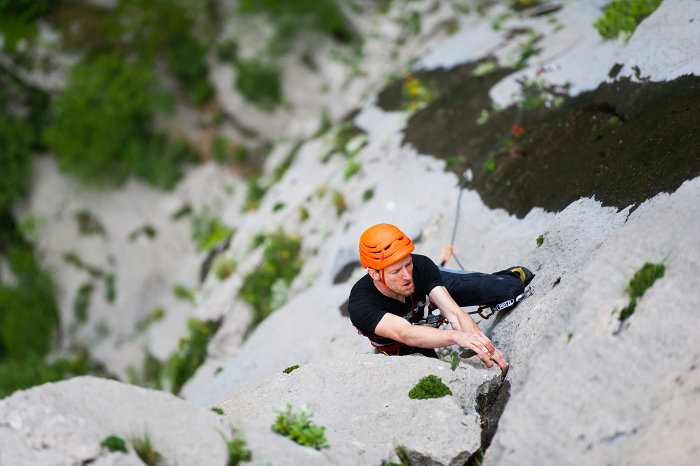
640,282
144,449
236,447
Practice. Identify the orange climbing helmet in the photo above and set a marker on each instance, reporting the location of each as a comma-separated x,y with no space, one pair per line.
382,245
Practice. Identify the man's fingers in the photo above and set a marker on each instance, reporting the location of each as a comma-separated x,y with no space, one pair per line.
502,363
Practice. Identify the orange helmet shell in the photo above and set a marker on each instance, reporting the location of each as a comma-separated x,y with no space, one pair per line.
382,245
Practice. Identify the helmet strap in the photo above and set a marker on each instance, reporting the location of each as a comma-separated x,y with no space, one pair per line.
383,282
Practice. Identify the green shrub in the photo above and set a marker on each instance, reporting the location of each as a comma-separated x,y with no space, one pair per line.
114,443
236,447
186,61
32,370
217,410
297,426
156,315
639,283
368,194
453,359
291,16
339,203
540,240
256,192
184,293
101,131
351,169
15,158
258,83
623,16
223,266
403,457
290,369
144,448
191,353
151,374
28,311
280,262
208,231
88,224
429,386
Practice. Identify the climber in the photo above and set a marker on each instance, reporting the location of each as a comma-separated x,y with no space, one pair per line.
392,296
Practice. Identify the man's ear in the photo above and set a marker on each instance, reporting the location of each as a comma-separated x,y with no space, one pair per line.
373,273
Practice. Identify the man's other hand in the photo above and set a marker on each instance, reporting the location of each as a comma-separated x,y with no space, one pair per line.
482,346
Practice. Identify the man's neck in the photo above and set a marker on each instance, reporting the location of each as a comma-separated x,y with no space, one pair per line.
387,292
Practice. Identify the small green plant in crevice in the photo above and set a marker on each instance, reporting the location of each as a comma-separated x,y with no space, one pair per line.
339,202
403,457
156,315
81,303
290,369
539,240
256,192
347,139
278,206
282,168
88,224
430,386
145,450
351,169
217,410
184,293
297,426
191,353
147,230
150,375
528,49
621,17
453,359
236,447
303,214
368,194
114,443
183,211
639,283
223,266
281,264
208,231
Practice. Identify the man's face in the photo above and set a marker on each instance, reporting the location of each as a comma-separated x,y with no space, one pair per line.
399,276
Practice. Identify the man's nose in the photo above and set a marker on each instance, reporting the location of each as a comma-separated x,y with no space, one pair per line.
405,274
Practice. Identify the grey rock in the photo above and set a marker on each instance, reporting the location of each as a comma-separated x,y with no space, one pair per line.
64,423
363,402
595,392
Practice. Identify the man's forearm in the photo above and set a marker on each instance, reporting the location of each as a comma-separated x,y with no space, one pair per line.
427,337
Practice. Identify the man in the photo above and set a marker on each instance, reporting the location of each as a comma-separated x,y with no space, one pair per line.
386,302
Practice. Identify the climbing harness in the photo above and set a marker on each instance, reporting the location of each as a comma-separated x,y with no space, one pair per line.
504,305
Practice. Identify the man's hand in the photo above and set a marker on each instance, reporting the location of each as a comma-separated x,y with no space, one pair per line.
482,346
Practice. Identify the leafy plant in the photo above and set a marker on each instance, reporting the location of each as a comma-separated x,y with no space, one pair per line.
223,266
258,83
540,240
290,369
32,370
339,203
280,262
81,304
453,359
101,133
236,447
368,194
639,283
156,315
256,192
208,231
88,224
114,443
217,410
297,426
403,457
191,353
184,293
429,386
144,449
351,169
621,17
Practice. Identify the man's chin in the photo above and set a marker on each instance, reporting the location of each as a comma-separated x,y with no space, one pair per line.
406,292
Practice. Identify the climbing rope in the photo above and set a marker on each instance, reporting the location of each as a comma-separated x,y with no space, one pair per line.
514,130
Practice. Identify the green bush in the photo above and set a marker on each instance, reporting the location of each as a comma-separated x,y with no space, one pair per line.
351,169
32,370
297,426
258,83
256,192
290,369
28,311
101,131
236,447
15,158
217,410
81,303
280,262
191,353
186,61
430,386
540,240
114,443
623,16
292,16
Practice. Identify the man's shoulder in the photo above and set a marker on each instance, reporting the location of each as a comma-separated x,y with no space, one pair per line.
421,259
362,286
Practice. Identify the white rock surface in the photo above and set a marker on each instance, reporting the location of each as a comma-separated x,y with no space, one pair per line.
363,402
64,423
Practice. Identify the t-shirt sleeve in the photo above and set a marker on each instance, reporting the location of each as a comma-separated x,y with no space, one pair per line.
428,272
365,313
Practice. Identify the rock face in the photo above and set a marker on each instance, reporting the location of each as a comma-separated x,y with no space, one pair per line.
64,424
363,402
600,392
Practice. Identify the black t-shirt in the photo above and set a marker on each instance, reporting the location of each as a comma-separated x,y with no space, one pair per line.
368,305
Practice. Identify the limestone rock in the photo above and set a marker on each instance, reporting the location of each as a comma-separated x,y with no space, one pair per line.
363,402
